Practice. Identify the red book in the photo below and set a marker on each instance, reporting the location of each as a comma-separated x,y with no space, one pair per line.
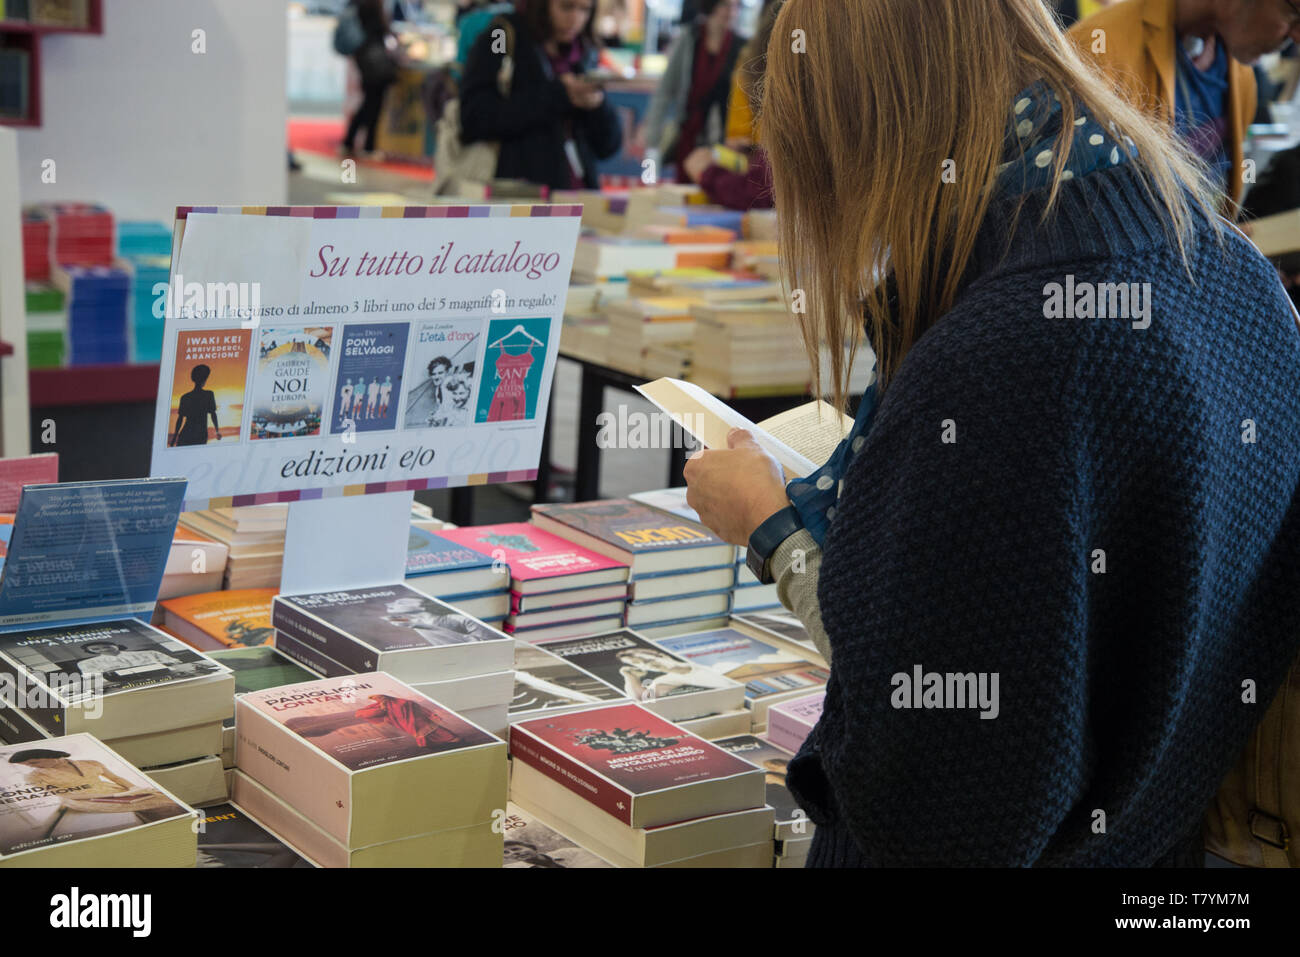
538,560
631,764
42,469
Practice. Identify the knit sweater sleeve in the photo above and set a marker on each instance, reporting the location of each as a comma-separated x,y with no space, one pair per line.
957,550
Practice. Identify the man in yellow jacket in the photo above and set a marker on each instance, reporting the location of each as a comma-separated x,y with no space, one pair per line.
1188,62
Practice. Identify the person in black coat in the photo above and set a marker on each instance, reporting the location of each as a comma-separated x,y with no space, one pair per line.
555,125
378,71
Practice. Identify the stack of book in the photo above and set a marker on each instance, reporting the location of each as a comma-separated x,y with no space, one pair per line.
195,564
147,272
697,216
458,575
759,224
639,791
530,843
748,594
255,536
140,238
221,619
770,669
742,345
444,653
638,325
156,701
790,722
681,573
47,326
781,624
557,588
546,683
255,669
228,837
648,673
79,803
97,300
793,832
82,234
600,258
366,771
37,227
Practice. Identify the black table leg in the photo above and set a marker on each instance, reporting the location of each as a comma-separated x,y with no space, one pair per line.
542,484
591,402
462,506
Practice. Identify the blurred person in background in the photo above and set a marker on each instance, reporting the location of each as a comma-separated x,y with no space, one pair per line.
378,67
1189,62
738,175
556,125
689,107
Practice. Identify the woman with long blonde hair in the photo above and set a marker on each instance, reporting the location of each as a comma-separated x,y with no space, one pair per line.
1065,527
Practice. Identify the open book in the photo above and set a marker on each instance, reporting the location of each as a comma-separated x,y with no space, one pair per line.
801,439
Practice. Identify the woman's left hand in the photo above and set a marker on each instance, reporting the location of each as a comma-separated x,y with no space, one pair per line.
735,489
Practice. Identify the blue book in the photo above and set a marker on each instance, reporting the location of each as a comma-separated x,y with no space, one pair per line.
88,551
447,569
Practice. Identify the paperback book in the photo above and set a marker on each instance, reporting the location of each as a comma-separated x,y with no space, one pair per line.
635,766
645,672
451,568
791,821
291,382
117,679
539,561
230,838
76,803
368,383
369,759
393,628
545,682
643,537
221,619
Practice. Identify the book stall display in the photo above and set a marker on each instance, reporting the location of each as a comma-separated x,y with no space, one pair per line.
602,685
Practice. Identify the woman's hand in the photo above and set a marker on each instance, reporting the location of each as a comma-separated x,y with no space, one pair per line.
583,95
696,162
735,489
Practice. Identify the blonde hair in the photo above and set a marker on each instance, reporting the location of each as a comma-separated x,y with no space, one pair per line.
864,101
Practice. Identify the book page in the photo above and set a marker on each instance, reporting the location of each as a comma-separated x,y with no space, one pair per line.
1277,235
709,419
813,430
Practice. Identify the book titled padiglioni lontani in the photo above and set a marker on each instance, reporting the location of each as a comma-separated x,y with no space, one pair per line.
74,802
369,759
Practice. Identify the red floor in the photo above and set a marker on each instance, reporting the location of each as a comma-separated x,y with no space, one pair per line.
322,137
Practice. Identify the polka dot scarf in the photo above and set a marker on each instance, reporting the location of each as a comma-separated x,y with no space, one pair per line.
1032,145
1029,159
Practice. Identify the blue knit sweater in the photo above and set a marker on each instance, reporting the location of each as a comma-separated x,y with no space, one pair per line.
1120,690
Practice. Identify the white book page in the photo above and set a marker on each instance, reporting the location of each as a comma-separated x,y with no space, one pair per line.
814,430
709,419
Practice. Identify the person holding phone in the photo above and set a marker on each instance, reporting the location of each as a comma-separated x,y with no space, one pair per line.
555,125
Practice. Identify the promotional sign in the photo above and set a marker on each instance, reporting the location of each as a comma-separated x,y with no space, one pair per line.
313,352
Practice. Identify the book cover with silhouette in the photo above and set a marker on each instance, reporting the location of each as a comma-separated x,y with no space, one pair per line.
71,789
365,721
512,362
209,382
442,374
291,382
368,384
